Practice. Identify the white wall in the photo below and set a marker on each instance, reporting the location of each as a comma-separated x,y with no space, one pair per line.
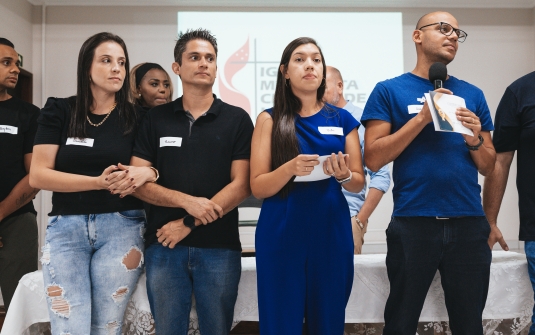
500,48
16,18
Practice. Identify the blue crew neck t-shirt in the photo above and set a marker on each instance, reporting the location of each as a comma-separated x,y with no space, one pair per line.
435,175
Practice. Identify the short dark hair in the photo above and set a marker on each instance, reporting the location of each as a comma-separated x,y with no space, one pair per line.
5,41
197,34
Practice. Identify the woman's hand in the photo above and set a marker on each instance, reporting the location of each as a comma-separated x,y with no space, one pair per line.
103,181
128,178
337,166
302,165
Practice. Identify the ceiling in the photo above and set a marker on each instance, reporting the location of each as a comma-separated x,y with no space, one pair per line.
299,3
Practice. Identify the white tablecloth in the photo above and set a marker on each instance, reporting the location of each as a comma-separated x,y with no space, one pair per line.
510,296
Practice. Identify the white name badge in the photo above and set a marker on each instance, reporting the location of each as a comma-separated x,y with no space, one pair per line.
8,130
415,109
331,130
86,142
170,142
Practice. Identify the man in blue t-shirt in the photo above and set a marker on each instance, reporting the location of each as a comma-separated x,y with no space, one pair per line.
515,131
438,221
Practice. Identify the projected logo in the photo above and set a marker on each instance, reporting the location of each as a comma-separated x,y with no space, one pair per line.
249,83
235,63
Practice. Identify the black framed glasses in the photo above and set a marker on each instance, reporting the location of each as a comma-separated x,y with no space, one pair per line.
447,29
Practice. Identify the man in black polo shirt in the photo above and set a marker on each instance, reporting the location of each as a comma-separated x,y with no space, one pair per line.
18,227
201,147
515,131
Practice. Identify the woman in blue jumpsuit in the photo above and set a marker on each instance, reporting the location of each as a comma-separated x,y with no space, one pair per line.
304,245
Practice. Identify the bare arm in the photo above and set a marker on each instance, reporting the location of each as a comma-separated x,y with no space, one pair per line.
43,175
228,198
237,190
201,208
493,191
485,156
265,182
21,194
381,147
373,198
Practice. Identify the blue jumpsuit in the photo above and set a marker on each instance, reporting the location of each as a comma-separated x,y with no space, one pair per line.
304,244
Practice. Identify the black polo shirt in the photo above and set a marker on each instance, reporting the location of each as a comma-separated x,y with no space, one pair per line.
195,158
18,125
515,131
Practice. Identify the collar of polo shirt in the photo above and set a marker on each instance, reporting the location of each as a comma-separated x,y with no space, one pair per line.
179,107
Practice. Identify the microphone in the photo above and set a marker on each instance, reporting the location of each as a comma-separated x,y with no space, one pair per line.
437,74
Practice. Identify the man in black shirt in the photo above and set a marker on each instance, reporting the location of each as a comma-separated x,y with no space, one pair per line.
515,131
201,147
18,226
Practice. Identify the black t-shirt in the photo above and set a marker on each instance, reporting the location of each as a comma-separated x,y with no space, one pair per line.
515,130
18,124
104,146
195,158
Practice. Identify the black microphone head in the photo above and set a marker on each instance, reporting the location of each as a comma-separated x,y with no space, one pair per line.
437,71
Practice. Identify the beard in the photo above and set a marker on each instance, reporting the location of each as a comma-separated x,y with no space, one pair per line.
335,99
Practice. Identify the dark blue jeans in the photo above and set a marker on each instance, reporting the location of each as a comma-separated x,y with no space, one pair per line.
212,275
417,248
529,248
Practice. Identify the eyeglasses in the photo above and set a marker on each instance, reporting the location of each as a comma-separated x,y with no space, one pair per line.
447,29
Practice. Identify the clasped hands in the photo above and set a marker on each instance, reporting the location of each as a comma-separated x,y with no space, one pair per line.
204,210
337,165
124,179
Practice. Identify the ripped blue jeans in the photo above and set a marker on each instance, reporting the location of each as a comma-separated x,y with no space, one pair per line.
91,265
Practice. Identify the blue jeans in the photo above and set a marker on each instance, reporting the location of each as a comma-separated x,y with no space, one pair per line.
529,248
417,248
173,275
91,264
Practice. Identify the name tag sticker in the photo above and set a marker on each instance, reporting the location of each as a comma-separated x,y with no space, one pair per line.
8,130
331,130
170,142
86,142
415,109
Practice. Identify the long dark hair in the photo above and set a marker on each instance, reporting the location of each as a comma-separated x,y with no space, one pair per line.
84,98
284,143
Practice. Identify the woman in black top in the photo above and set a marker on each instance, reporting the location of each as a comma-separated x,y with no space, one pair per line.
150,85
93,249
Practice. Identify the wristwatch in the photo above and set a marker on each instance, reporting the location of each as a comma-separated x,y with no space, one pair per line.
345,180
475,147
189,221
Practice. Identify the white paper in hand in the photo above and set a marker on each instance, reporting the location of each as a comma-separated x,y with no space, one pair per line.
443,107
316,174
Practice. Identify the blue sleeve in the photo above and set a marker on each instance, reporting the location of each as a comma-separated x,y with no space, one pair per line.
483,113
380,179
378,105
507,133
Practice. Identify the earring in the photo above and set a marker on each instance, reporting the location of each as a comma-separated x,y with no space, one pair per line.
286,82
140,95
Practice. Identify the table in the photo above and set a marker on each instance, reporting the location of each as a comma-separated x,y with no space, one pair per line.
508,308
